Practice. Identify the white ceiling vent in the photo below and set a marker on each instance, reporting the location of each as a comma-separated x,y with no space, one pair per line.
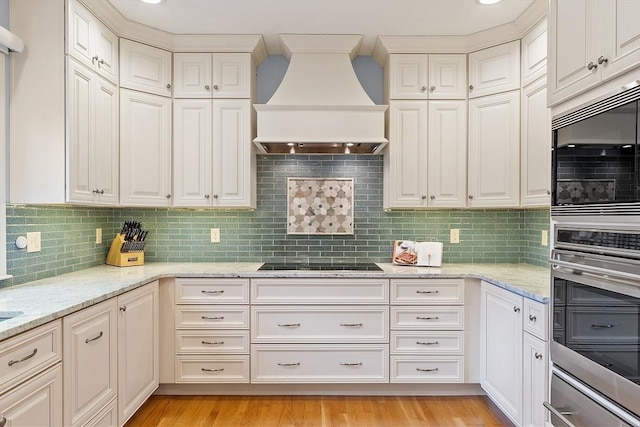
320,106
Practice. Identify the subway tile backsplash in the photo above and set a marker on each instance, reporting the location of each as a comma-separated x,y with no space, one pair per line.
68,233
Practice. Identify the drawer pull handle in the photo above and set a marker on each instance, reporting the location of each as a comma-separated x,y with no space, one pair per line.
3,422
212,342
428,292
538,356
604,326
289,325
351,363
22,359
352,325
289,364
427,318
212,292
212,370
97,337
213,318
427,343
562,413
427,370
532,318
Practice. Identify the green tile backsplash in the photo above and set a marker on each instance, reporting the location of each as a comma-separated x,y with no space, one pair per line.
68,233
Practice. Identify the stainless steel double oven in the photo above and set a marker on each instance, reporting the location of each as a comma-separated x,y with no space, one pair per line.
595,264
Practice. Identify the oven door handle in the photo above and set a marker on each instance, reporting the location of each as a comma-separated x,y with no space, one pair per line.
595,270
559,414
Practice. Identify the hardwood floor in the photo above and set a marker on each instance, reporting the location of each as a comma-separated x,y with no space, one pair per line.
314,411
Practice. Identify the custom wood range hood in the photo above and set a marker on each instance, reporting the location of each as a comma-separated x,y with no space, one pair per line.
320,106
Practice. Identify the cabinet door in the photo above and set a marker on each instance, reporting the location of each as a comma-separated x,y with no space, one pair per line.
145,68
535,381
534,53
138,348
106,143
494,70
231,75
192,75
233,158
494,150
192,174
145,149
37,402
447,152
408,76
106,48
80,34
535,146
501,349
90,370
447,76
620,36
574,33
406,156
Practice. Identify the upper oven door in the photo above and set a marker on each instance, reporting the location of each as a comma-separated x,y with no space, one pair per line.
595,160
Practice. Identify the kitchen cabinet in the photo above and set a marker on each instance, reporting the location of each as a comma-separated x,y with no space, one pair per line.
91,43
422,76
494,150
92,134
145,149
138,348
590,42
425,163
31,377
145,68
211,330
494,70
514,354
213,157
90,363
534,54
535,146
427,331
213,75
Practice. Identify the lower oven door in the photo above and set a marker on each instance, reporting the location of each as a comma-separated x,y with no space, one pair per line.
575,405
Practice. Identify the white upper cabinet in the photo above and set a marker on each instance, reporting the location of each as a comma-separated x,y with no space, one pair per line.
408,76
447,76
494,150
145,68
217,75
534,54
494,70
590,41
91,42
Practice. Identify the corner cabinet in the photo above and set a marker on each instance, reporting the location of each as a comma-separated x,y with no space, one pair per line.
145,68
494,70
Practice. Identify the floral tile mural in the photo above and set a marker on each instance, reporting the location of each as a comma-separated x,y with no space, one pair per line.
320,206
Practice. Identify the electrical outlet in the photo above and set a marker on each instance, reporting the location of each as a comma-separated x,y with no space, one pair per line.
215,235
34,243
98,236
455,235
544,241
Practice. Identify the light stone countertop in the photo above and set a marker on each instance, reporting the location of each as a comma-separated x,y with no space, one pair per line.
42,301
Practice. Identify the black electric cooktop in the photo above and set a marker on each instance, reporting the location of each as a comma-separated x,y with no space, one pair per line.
336,266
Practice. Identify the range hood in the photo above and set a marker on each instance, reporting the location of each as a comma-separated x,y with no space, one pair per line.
320,106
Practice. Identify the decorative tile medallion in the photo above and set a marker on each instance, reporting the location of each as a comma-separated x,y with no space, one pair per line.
320,206
585,190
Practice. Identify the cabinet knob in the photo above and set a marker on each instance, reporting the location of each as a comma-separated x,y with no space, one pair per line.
94,59
538,356
470,197
591,66
215,87
424,197
168,85
3,422
206,196
423,89
602,60
168,196
123,308
548,192
532,318
101,62
207,87
432,88
470,87
516,309
433,197
215,196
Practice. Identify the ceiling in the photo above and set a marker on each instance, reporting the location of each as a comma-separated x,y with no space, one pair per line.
371,18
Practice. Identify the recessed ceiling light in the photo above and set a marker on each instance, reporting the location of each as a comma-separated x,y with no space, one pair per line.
152,1
485,2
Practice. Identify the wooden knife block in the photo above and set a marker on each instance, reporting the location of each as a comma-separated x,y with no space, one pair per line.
123,259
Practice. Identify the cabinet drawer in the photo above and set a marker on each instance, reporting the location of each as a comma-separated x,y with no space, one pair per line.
212,342
212,369
436,342
319,363
445,318
427,369
212,317
24,355
427,291
320,324
319,291
536,319
212,291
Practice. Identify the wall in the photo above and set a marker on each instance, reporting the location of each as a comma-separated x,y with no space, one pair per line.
68,233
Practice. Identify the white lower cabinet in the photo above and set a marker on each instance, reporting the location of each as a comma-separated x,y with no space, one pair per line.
514,356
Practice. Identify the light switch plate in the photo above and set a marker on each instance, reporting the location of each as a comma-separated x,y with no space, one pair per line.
215,235
544,239
455,235
98,236
34,243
